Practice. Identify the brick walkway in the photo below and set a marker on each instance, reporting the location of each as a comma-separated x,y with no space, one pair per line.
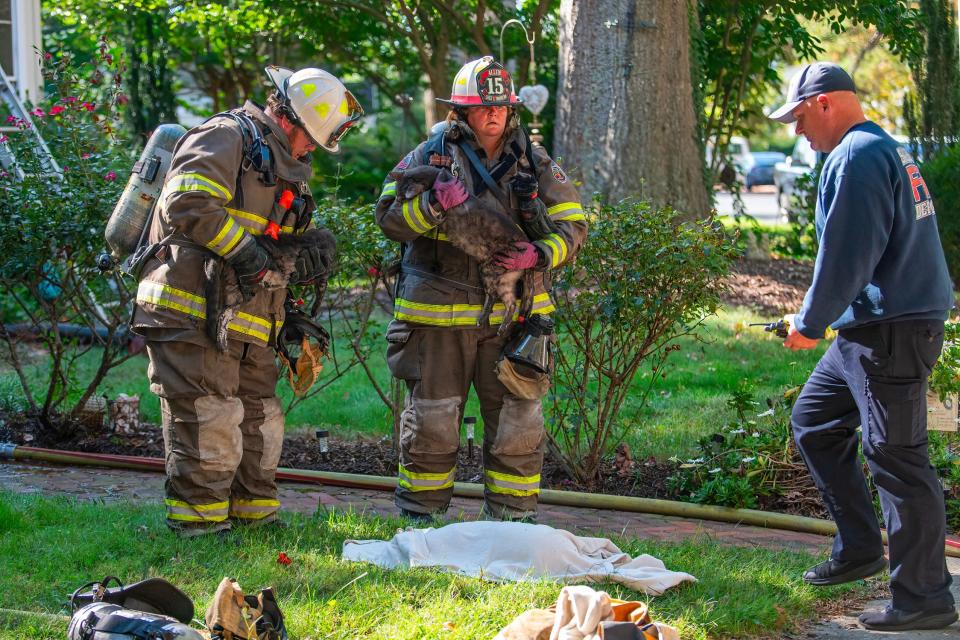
119,484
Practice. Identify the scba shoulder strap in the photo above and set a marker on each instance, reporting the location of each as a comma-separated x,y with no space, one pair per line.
256,151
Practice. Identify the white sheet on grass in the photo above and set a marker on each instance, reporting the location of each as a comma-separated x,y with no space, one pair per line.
516,551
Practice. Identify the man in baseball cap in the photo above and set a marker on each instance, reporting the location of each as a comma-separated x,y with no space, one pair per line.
881,281
813,79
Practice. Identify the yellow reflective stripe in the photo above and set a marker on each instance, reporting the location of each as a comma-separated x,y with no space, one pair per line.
253,509
185,512
258,502
198,182
253,223
424,481
558,248
566,211
164,295
436,234
460,315
389,189
239,213
414,216
512,485
230,234
243,323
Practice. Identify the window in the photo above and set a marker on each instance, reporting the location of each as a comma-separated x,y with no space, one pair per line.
6,37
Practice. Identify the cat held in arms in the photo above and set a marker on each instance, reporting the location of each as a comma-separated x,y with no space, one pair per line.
481,233
224,294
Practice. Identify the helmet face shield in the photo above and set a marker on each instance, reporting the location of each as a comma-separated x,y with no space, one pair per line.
353,112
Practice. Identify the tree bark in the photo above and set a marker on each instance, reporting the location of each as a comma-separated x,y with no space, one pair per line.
626,124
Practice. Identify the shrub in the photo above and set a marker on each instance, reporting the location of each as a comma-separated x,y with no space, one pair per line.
753,456
940,174
642,280
53,230
358,300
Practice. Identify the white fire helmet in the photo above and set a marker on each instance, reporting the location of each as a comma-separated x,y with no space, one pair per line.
482,82
318,102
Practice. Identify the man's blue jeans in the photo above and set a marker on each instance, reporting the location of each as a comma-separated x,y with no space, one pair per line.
875,377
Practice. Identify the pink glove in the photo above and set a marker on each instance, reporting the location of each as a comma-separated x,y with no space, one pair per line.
449,193
524,257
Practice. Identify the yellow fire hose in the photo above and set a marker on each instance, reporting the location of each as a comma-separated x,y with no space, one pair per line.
752,517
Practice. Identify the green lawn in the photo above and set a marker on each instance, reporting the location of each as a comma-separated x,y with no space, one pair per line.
51,546
689,403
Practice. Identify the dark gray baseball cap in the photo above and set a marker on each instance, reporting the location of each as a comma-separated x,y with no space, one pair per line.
812,80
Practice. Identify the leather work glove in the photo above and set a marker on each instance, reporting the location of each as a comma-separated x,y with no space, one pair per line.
251,262
312,263
525,256
525,186
449,191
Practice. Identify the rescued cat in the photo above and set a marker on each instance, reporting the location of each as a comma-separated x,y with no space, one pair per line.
481,232
223,291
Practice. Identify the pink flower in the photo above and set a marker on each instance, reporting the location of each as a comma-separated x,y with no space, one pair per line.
70,99
47,56
84,156
56,109
11,119
89,106
38,112
111,176
3,139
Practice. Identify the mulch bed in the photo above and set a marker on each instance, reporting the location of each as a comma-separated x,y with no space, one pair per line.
770,286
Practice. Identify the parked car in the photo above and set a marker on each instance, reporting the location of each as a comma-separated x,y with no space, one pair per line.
759,168
738,153
802,161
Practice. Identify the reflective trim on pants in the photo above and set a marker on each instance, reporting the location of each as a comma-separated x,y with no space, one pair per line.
512,485
253,509
425,481
184,512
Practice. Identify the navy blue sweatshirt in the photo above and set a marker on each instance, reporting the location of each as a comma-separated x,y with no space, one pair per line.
880,257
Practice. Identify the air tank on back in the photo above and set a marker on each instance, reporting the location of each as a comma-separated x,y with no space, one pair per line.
129,218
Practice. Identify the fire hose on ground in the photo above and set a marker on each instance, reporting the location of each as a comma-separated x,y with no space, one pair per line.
771,520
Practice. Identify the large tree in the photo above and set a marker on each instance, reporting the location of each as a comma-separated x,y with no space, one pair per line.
626,121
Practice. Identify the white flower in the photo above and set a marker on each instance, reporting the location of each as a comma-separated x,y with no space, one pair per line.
748,459
755,434
717,470
768,412
738,432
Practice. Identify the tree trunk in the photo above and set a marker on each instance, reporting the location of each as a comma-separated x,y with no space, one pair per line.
626,124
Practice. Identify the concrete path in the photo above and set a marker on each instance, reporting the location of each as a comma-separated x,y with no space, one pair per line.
120,485
845,627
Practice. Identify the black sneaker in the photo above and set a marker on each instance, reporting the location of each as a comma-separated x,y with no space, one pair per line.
890,619
835,572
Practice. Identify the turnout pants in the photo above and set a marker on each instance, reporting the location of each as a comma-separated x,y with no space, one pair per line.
439,365
875,377
222,432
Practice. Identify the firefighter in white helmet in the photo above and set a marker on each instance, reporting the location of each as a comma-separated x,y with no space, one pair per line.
435,344
211,295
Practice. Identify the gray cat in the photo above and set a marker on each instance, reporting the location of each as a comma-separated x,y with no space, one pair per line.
481,233
222,289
